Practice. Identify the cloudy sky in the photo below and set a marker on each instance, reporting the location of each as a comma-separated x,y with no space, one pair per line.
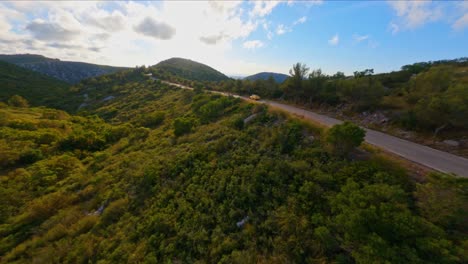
239,38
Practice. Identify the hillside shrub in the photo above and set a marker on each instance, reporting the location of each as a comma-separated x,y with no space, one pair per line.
183,126
18,101
343,138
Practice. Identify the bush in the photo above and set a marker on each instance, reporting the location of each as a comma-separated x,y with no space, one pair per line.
183,126
22,125
113,212
18,101
151,120
82,140
30,156
3,118
343,138
237,123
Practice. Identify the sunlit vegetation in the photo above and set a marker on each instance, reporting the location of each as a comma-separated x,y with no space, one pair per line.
430,96
159,174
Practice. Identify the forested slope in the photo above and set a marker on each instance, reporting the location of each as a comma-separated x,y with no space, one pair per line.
38,89
168,175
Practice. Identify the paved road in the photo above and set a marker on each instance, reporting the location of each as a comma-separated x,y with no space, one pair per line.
429,157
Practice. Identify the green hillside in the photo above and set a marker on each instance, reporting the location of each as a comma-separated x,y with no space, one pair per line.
38,89
188,69
171,175
68,71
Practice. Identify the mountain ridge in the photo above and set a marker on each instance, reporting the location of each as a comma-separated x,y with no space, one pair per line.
68,71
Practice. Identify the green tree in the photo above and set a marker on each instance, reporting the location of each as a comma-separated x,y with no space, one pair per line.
343,138
293,86
151,120
182,126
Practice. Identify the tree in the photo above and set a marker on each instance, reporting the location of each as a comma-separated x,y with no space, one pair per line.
182,126
315,84
343,138
338,75
18,101
363,92
294,84
366,72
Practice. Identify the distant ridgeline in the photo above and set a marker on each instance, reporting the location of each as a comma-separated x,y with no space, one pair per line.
68,71
278,77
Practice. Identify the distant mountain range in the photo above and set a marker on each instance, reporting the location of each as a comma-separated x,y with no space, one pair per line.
190,70
68,71
278,77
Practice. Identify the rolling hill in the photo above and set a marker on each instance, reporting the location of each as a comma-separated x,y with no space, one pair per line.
68,71
148,170
191,70
278,77
37,88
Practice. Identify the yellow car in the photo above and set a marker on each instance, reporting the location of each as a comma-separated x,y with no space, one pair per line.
254,97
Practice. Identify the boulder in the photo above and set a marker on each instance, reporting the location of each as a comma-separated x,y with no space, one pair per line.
250,118
452,143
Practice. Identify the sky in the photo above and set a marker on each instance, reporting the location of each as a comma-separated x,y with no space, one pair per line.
239,37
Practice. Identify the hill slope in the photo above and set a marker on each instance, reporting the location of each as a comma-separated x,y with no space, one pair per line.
37,88
190,70
278,77
68,71
178,176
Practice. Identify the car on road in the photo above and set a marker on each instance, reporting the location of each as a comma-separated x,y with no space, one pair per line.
254,97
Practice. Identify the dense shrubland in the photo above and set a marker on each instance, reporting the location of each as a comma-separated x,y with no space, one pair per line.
158,174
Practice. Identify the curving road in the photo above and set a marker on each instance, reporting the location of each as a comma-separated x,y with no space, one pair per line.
429,157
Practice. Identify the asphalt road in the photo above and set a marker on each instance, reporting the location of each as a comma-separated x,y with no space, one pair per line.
429,157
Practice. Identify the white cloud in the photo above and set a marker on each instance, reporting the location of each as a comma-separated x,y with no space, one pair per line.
155,29
282,29
50,31
461,23
270,35
252,44
112,32
394,28
371,43
360,38
334,40
414,14
300,20
308,3
112,22
263,8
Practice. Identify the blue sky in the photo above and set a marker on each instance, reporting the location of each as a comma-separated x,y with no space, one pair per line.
240,38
